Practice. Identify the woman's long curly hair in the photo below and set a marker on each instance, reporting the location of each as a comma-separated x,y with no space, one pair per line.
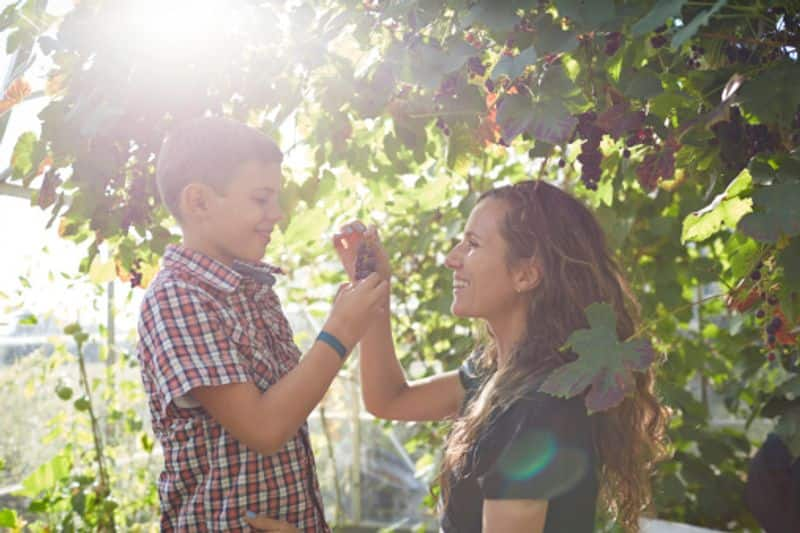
576,270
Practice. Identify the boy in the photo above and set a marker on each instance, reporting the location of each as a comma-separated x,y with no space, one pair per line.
228,393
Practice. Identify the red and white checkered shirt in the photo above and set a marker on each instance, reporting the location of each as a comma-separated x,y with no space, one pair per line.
203,323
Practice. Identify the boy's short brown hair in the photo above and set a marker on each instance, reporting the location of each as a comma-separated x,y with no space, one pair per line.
208,150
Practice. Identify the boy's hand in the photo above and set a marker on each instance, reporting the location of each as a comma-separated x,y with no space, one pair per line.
347,243
355,306
262,523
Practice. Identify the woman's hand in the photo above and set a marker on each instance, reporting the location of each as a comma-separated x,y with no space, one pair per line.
346,243
262,523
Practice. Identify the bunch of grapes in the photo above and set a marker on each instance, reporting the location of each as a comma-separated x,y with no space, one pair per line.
590,157
136,274
365,260
476,67
613,42
693,62
659,39
739,141
772,328
136,210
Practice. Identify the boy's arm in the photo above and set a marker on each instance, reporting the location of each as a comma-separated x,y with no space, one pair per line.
266,421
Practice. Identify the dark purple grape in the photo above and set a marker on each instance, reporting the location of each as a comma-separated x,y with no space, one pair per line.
365,260
755,275
760,313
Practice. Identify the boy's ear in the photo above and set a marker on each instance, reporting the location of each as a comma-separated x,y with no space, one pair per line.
195,200
527,275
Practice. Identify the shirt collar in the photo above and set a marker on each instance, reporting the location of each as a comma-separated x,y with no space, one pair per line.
216,273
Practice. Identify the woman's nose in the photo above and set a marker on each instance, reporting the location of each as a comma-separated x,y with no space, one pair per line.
453,260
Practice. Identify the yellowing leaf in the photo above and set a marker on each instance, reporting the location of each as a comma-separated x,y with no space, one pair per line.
724,211
102,271
46,476
148,273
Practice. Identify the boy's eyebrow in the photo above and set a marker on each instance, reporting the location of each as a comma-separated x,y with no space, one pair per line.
268,189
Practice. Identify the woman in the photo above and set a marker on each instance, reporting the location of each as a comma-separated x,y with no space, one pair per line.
531,260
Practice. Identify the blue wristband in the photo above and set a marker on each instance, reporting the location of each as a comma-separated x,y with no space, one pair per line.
334,343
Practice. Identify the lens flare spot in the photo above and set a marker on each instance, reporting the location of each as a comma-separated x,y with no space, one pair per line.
536,460
528,456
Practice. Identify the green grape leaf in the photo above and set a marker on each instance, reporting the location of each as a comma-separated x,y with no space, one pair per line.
514,66
551,122
498,16
8,518
514,115
22,156
788,429
604,365
661,12
46,475
589,15
725,211
82,404
769,95
776,213
28,319
688,31
789,291
549,38
462,147
642,84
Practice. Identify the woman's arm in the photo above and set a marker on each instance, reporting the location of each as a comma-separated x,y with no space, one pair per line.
386,392
512,516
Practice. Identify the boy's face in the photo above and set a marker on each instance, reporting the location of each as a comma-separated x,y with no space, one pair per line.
240,219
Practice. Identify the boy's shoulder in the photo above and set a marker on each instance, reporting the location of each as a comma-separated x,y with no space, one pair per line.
172,290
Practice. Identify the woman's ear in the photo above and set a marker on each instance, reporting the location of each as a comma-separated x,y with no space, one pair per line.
527,276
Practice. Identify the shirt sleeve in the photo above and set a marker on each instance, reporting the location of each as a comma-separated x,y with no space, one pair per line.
548,451
189,344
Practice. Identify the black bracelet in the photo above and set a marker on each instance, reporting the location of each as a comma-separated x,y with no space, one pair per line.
334,343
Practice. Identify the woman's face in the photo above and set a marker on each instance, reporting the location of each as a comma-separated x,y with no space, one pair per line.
483,285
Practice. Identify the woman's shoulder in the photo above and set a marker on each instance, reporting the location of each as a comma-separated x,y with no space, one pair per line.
566,417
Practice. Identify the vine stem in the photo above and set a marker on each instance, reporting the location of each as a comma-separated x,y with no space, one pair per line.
444,114
748,40
98,445
647,324
743,9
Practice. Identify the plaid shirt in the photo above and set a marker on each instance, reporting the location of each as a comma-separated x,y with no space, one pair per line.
204,324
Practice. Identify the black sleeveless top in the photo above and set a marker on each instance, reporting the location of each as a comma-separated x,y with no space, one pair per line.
540,448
